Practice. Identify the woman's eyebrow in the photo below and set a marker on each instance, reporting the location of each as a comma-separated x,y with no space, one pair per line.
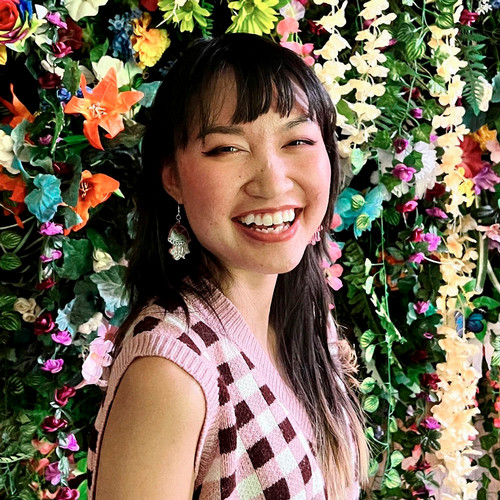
297,121
220,129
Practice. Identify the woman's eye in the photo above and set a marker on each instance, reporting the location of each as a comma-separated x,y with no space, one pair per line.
221,150
302,142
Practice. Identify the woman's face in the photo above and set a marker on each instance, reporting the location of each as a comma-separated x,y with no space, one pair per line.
254,193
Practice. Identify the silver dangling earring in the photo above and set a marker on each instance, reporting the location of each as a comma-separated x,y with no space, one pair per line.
316,236
178,236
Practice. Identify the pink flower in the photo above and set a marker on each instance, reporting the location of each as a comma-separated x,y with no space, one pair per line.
496,422
44,324
431,423
416,257
97,359
417,113
467,17
60,49
407,207
400,144
62,337
62,395
53,365
497,405
43,447
436,212
287,26
332,274
53,424
66,493
486,179
428,335
421,306
432,239
69,443
402,172
336,221
56,254
303,50
334,251
55,19
53,474
45,140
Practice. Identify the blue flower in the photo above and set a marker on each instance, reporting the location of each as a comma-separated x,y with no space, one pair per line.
358,210
63,94
122,46
495,4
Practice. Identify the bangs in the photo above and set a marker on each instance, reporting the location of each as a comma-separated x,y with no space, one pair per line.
274,78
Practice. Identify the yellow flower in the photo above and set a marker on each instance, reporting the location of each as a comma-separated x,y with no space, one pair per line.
373,8
483,135
149,44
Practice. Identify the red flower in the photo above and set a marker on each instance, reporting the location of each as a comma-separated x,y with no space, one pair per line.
49,81
407,207
430,380
471,157
416,235
63,394
436,192
60,49
72,36
53,424
44,324
8,14
150,5
467,17
46,284
66,493
102,107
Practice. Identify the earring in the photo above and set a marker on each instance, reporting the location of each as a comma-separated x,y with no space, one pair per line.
316,236
178,236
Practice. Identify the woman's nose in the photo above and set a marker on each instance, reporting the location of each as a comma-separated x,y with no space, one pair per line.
270,177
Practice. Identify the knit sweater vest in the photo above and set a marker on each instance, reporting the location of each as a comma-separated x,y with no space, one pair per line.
256,441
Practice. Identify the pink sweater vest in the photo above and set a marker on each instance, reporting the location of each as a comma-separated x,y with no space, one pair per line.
257,441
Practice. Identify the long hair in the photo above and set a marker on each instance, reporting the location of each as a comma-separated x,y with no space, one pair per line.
266,76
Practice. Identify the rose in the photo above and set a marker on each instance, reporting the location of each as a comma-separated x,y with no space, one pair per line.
66,493
63,394
53,424
53,365
8,15
44,324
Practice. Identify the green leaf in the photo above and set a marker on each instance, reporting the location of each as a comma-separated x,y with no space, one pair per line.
373,467
496,456
10,321
406,32
486,302
44,199
487,441
366,339
97,240
370,350
71,78
83,490
149,90
485,461
392,479
367,385
9,261
71,187
369,285
382,140
495,360
445,21
77,259
371,403
422,132
357,160
111,288
98,51
71,218
7,301
415,48
494,473
393,424
10,239
396,458
496,89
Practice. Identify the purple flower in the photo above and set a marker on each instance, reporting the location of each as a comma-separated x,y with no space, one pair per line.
45,140
416,113
421,306
432,239
431,423
485,179
56,254
400,144
401,171
55,18
50,229
69,443
428,335
436,212
52,473
62,337
53,365
416,257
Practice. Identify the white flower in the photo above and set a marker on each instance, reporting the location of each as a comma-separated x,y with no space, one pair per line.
7,152
102,261
91,325
83,8
486,94
124,73
294,9
373,8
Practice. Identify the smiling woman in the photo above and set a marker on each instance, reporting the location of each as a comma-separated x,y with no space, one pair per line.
228,365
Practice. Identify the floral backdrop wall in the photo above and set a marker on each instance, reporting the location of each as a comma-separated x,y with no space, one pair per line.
415,242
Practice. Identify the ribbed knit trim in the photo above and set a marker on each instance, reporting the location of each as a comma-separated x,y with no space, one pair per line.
238,330
166,346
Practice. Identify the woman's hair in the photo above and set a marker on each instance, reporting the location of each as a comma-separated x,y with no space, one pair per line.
267,77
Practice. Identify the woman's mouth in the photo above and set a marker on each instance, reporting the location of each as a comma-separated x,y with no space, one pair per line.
268,224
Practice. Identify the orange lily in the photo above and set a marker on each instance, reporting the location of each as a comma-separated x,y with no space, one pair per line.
17,186
94,189
18,109
103,107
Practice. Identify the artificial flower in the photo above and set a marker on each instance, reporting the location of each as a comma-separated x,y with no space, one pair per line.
467,17
302,50
69,442
253,16
494,149
53,365
94,190
67,493
433,241
71,34
471,157
43,447
62,337
83,8
50,229
53,474
421,306
124,72
54,255
17,22
148,43
55,19
417,113
486,179
19,111
402,172
417,258
406,207
44,324
102,107
101,260
62,395
436,212
483,135
97,359
286,27
91,325
53,424
294,9
184,13
7,152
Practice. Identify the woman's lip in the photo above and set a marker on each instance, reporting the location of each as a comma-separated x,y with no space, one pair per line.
267,210
269,237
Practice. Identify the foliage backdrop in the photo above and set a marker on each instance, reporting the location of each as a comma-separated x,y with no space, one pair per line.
414,251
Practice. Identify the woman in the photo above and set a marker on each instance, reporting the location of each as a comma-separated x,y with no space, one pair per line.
223,385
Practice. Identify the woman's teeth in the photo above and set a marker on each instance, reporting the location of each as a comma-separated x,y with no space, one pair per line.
269,219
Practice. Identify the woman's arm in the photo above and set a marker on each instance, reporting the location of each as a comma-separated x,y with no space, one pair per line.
150,439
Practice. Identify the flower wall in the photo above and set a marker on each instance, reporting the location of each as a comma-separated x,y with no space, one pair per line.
415,240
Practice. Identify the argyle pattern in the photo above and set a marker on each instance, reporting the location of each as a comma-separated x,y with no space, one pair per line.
252,445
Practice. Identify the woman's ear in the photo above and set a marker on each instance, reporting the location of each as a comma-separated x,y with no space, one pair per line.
171,182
